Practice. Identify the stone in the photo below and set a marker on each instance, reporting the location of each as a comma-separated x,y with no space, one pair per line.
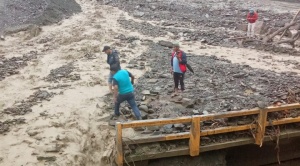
205,112
196,112
156,133
153,128
188,103
32,132
53,149
151,111
179,126
112,122
165,44
144,114
144,108
2,38
147,131
46,158
138,14
163,76
152,81
146,92
262,105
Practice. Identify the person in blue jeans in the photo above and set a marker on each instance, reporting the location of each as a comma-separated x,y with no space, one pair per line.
123,90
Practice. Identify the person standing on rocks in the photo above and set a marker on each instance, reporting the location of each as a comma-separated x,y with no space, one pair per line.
112,59
251,17
178,63
123,90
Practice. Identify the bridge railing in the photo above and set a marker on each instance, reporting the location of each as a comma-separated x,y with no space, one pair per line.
195,131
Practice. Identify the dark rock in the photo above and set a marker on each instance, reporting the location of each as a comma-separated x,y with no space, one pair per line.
46,158
188,103
144,114
138,14
144,108
179,126
166,44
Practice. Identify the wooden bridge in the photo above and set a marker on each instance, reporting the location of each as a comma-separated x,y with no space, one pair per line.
196,133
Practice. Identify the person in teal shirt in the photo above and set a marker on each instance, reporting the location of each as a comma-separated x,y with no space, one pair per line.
123,90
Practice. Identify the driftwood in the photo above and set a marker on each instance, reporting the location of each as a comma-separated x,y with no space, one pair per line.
292,40
271,36
291,22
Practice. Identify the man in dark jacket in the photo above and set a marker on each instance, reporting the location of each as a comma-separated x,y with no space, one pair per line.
178,63
112,59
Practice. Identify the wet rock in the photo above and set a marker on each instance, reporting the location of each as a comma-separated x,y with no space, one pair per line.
53,148
188,103
153,128
46,158
42,94
152,81
205,112
144,114
138,14
163,76
144,108
32,133
166,44
196,112
168,128
179,126
147,131
157,133
262,104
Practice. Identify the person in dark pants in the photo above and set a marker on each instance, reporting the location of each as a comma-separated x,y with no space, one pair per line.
178,63
123,90
112,59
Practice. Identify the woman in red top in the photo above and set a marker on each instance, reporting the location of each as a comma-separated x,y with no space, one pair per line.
251,17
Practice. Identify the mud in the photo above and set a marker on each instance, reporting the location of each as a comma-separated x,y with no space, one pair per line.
14,13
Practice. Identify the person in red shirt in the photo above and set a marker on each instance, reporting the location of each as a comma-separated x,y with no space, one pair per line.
251,17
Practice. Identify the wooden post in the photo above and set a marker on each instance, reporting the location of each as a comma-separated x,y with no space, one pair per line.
194,143
120,157
261,127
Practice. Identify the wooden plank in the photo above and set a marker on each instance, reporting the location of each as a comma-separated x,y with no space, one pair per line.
184,150
229,129
119,144
157,138
261,127
194,142
285,121
156,122
229,114
248,112
283,107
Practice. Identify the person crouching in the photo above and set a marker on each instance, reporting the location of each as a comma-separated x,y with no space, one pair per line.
123,90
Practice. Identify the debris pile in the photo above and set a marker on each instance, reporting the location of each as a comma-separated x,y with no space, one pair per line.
63,72
10,66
